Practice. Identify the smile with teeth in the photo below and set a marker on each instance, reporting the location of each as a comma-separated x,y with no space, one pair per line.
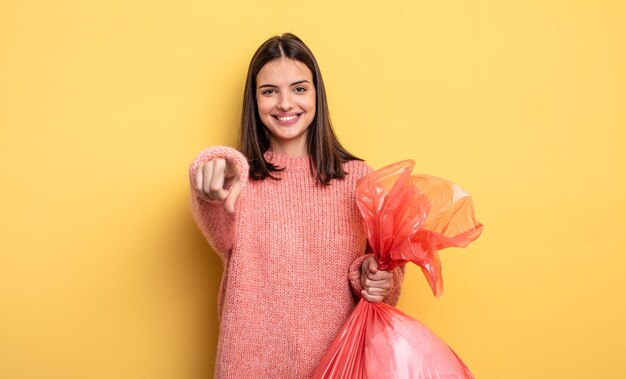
288,118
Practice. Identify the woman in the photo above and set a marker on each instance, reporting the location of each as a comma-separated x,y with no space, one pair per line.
282,216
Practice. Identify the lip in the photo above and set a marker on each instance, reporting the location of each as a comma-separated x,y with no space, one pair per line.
287,122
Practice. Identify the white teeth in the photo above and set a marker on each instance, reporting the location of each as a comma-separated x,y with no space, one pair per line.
287,118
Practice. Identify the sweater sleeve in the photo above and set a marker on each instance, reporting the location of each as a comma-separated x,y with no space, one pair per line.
217,225
354,276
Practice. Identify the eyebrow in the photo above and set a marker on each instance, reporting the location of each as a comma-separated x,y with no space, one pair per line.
292,84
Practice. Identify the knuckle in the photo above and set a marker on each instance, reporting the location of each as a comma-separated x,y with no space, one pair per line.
220,162
206,189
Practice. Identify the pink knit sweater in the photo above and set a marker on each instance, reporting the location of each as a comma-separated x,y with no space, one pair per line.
292,253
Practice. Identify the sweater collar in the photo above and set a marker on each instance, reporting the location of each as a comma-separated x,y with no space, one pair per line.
289,162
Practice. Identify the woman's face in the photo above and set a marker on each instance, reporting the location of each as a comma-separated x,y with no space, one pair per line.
285,97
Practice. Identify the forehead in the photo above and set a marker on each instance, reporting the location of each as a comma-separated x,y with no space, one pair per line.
284,70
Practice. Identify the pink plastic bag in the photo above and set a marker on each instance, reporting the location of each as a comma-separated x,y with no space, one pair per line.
406,219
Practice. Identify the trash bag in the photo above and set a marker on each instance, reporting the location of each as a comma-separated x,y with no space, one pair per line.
406,219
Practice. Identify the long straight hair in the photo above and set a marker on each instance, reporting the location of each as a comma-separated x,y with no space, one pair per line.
326,154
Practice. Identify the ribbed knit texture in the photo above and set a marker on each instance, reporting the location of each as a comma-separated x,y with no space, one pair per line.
291,252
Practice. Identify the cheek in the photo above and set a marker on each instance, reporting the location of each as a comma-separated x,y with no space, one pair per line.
264,109
312,107
261,105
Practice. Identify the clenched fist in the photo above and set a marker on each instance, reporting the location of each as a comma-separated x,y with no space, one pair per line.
219,180
376,283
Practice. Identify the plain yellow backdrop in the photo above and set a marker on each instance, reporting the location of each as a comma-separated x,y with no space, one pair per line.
104,104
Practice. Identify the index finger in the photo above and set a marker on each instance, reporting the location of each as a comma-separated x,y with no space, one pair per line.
231,199
379,275
232,166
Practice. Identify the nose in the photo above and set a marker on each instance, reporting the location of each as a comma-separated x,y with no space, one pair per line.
285,103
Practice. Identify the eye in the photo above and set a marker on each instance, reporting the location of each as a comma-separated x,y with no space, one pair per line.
268,91
300,89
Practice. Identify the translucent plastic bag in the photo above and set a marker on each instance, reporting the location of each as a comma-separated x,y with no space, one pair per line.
406,219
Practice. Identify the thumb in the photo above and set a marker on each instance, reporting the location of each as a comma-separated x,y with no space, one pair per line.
373,266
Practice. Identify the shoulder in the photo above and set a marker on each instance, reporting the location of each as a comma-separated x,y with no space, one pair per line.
356,169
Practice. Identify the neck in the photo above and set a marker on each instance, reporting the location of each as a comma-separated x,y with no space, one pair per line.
293,148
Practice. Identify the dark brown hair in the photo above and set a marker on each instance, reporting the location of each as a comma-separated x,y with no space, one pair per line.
326,154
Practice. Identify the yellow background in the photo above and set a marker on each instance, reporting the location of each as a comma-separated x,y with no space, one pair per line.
103,105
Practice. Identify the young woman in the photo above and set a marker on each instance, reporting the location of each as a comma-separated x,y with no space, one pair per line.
281,213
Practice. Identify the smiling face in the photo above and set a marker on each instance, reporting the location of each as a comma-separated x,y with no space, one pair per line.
285,96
